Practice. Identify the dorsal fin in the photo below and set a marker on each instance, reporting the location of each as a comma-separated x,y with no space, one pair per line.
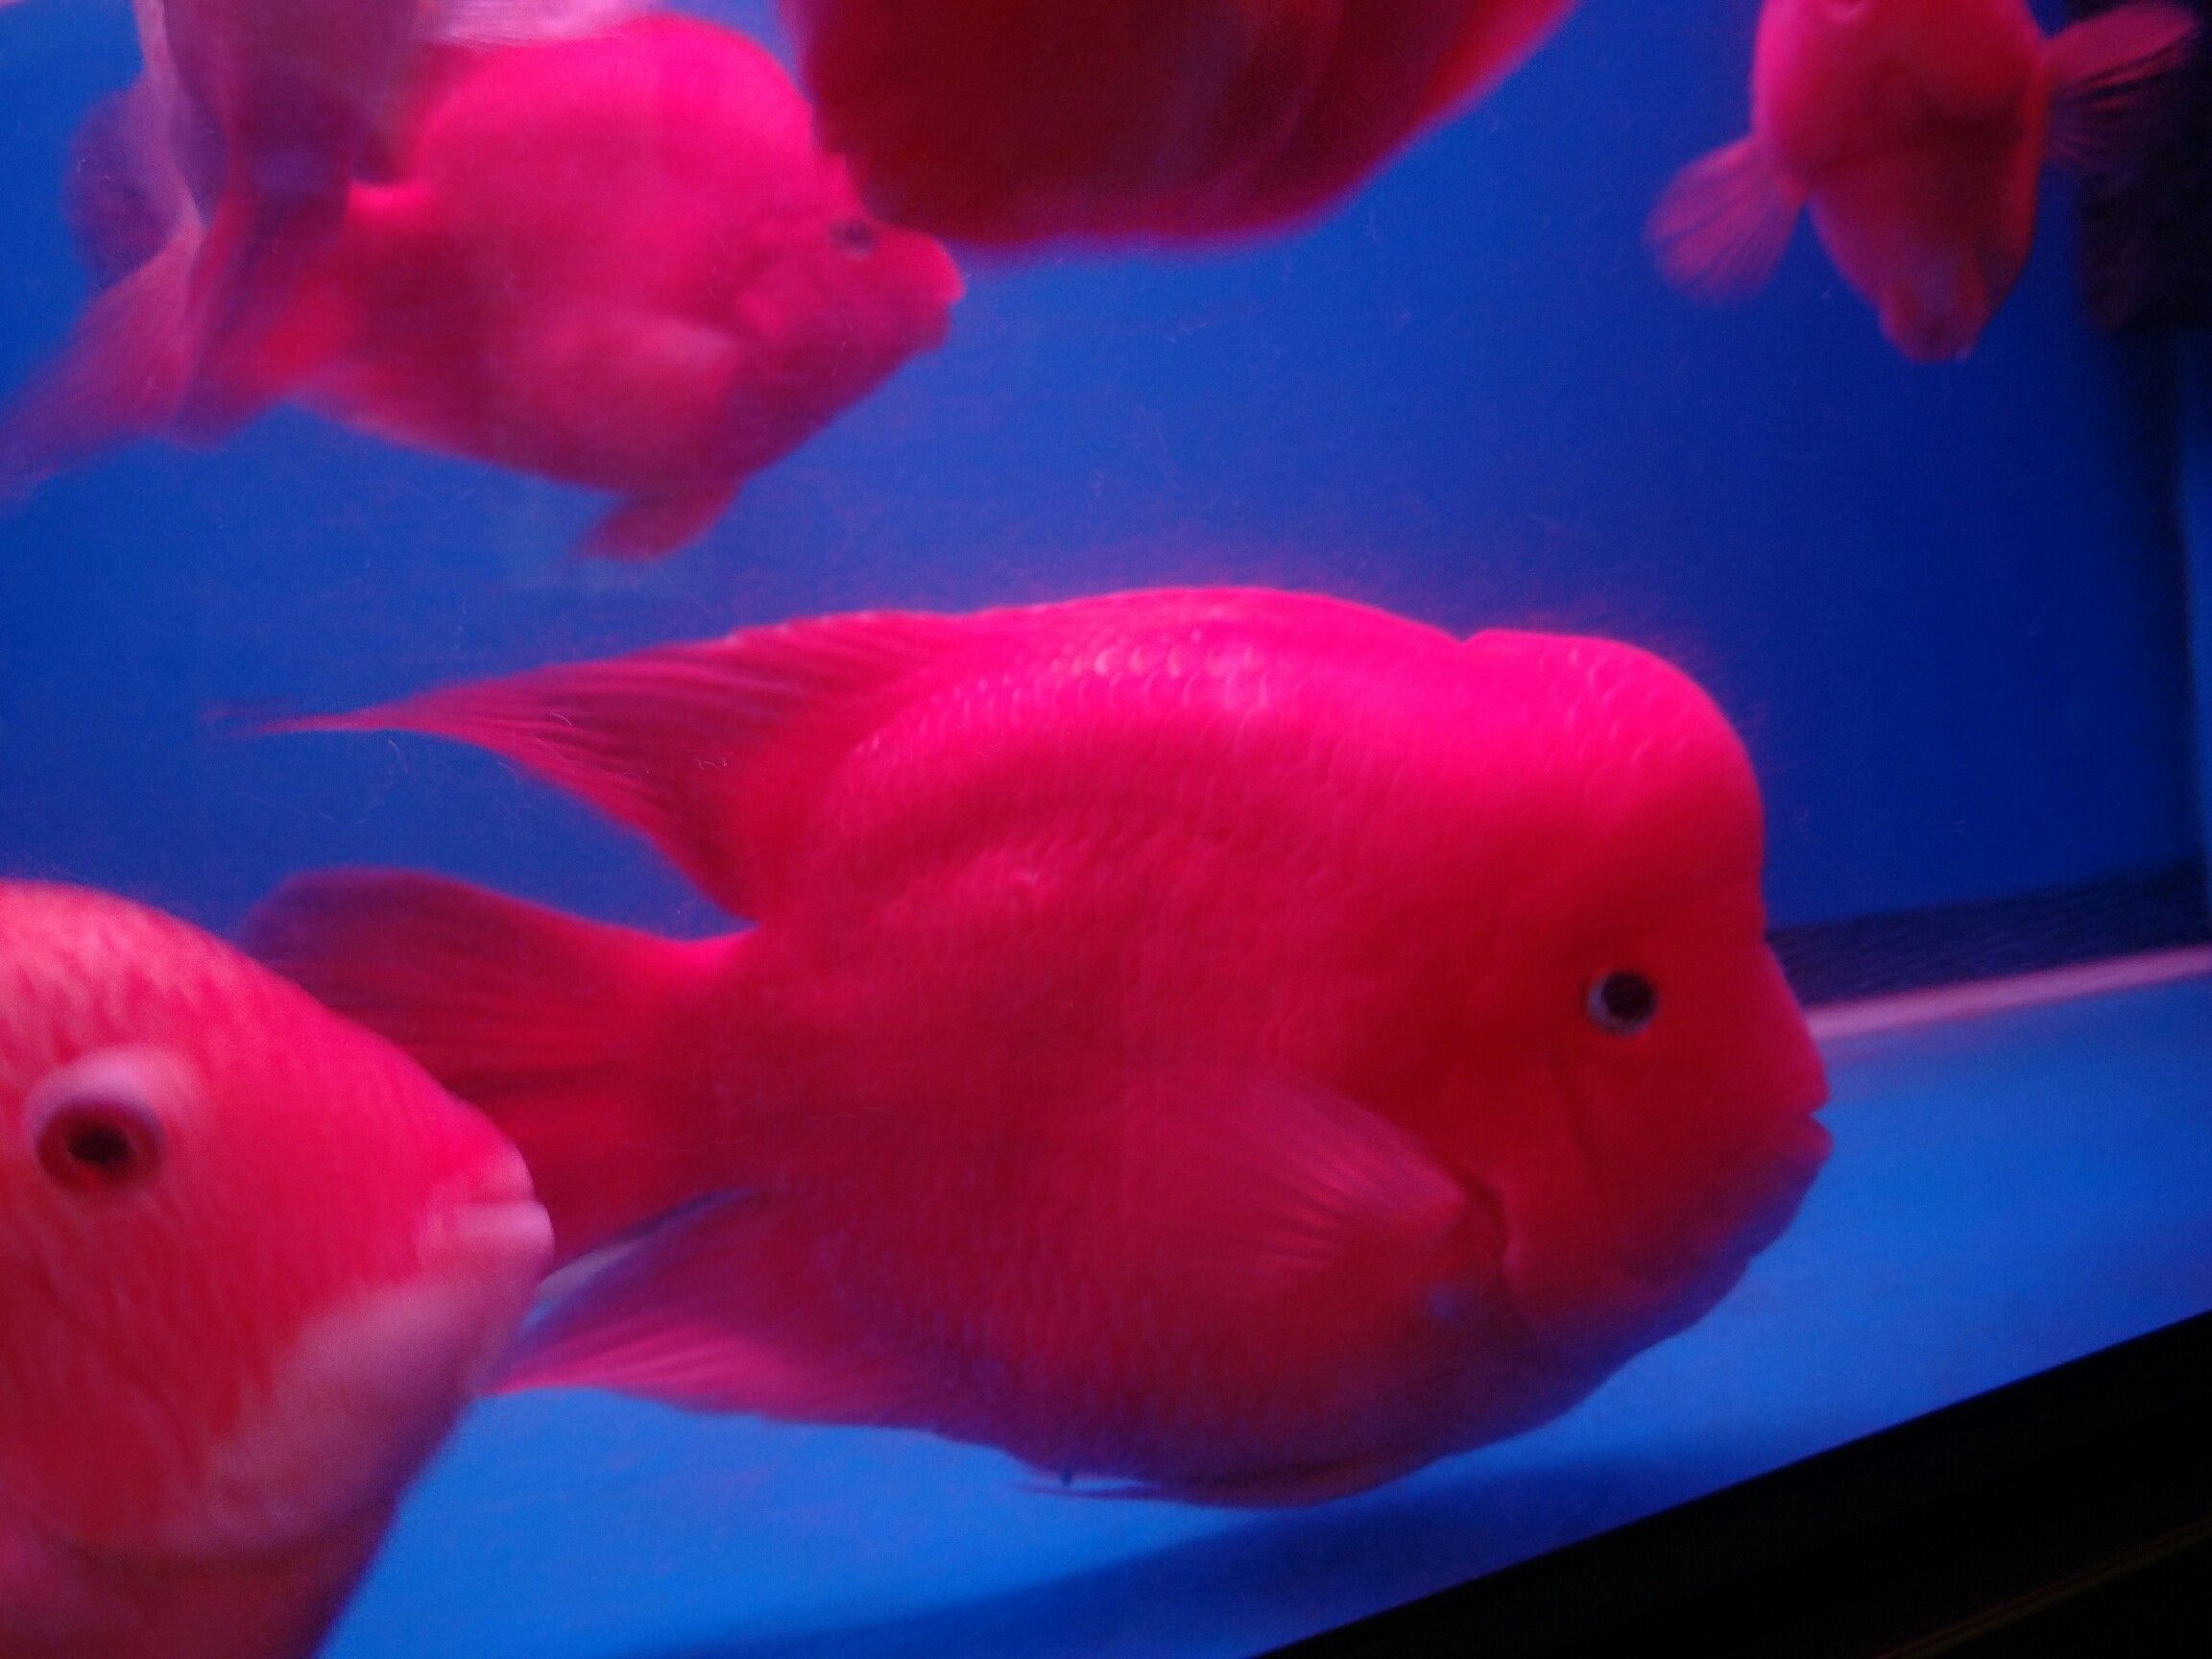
715,752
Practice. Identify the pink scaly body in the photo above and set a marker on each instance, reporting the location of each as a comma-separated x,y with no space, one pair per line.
1916,131
1006,121
252,1260
618,261
1167,1049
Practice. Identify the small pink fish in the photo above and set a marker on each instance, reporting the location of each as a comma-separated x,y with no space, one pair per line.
618,260
1005,121
1916,131
1237,1044
251,1263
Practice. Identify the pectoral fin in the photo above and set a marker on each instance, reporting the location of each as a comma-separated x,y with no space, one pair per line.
1723,224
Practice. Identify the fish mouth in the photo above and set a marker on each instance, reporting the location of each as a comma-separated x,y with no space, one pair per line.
494,1236
1643,1294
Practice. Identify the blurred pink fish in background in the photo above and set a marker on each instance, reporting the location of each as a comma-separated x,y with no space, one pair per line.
252,1263
1916,133
1007,121
203,193
616,259
1237,1044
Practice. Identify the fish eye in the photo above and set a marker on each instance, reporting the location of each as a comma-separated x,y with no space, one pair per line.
100,1146
855,237
95,1125
1623,1003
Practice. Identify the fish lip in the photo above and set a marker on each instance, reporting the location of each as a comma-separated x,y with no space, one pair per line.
1781,1164
490,1232
491,1221
502,1247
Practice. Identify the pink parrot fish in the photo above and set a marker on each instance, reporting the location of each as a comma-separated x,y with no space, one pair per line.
253,1262
616,260
1916,131
203,192
1009,121
1234,1046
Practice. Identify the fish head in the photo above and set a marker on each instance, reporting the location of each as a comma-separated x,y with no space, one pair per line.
1639,1082
842,297
252,1260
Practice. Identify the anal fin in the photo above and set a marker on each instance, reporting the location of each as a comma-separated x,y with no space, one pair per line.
727,1307
655,526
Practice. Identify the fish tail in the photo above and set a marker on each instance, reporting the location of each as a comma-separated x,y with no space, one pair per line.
124,372
184,335
122,376
580,1040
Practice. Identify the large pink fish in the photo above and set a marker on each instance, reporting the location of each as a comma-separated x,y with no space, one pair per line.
1916,131
1011,120
1234,1043
252,1263
618,260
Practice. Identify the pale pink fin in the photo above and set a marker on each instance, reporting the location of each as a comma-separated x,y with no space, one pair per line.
1266,1190
521,22
122,376
2114,79
124,196
714,752
655,526
569,1034
727,1309
1723,224
127,368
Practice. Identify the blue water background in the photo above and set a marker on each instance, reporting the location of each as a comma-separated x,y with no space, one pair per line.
1943,604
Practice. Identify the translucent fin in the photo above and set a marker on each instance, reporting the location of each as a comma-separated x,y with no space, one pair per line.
1723,226
2114,82
1265,1190
713,750
655,526
518,22
124,197
726,1309
123,375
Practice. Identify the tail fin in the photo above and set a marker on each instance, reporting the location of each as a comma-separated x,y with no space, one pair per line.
126,368
572,1036
121,376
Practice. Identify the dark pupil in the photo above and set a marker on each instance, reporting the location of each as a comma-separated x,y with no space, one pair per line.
101,1146
1627,998
96,1149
